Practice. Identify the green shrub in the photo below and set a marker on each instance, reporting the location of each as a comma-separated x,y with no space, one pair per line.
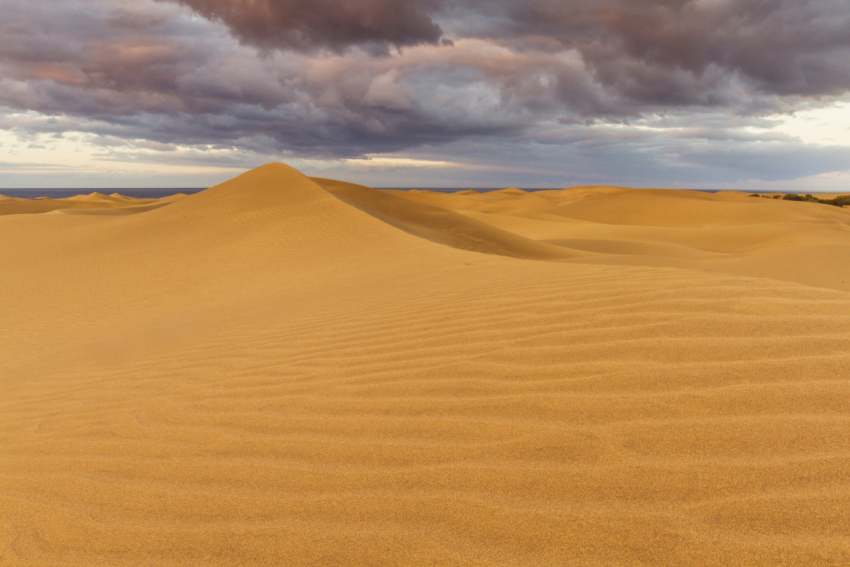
842,201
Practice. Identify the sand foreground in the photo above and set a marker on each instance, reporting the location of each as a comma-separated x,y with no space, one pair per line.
286,371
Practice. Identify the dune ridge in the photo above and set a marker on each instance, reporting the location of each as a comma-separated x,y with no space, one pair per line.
441,225
264,374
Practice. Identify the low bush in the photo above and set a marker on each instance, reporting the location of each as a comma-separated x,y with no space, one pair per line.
842,201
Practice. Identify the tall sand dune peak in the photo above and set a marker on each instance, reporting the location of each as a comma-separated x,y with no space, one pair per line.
273,180
272,189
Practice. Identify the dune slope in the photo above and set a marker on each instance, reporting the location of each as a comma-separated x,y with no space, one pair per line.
264,374
442,225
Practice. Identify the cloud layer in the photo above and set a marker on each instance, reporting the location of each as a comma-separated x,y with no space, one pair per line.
332,79
650,51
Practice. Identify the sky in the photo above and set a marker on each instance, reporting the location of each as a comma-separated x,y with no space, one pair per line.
736,94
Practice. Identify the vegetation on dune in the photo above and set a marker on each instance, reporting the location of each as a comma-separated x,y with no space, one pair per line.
841,201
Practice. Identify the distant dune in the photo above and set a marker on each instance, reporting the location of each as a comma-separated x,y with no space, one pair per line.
291,371
726,232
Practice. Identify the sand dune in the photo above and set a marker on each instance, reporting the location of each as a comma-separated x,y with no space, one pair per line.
280,371
728,232
92,202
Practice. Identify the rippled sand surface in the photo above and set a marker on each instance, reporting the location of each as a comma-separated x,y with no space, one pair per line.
285,371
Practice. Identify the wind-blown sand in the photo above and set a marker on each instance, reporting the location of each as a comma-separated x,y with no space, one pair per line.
280,371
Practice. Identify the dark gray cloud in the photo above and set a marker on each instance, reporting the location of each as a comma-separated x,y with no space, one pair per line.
650,51
780,46
325,23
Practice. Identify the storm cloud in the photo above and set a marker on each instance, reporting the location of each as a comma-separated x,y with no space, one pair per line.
324,23
332,79
637,46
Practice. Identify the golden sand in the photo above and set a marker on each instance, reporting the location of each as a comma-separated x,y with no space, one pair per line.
281,371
